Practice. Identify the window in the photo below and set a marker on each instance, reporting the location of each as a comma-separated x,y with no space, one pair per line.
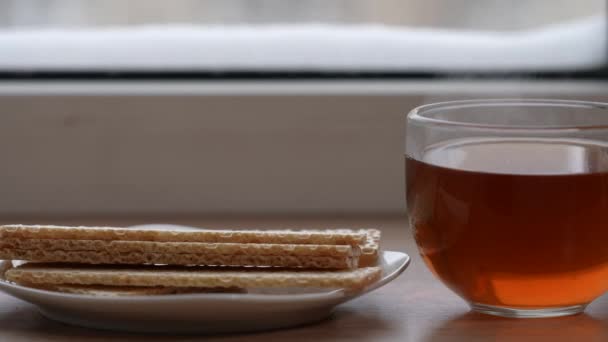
297,37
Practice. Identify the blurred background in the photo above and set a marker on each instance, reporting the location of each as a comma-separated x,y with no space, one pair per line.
258,107
455,14
325,38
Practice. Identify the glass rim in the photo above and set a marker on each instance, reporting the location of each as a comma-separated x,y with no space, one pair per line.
417,115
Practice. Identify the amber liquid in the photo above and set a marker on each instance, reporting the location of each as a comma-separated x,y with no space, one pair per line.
513,223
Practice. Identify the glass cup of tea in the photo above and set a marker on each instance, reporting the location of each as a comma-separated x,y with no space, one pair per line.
508,202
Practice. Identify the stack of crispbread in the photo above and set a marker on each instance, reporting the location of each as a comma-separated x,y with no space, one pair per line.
127,261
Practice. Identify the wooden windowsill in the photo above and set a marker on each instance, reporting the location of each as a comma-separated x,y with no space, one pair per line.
415,307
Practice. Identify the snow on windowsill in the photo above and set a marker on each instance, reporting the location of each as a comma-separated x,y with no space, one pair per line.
567,46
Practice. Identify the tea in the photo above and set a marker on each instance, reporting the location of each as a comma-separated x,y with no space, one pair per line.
513,222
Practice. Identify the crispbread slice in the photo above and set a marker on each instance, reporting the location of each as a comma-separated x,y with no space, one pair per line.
17,240
119,291
138,258
176,235
180,247
34,273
